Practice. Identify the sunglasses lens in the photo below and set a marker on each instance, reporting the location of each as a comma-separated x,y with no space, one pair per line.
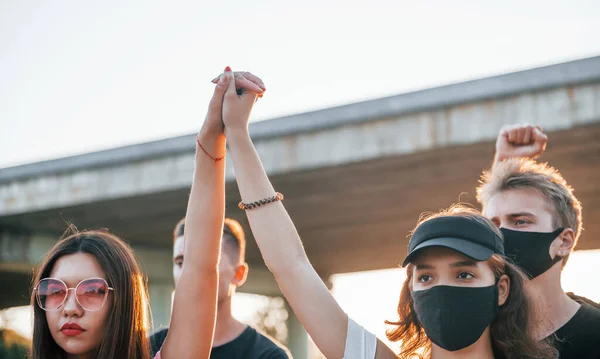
91,293
51,294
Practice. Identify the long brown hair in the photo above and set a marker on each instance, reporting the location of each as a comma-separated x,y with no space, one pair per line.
128,321
514,328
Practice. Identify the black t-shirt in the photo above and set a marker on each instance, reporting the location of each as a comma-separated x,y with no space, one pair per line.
580,337
248,345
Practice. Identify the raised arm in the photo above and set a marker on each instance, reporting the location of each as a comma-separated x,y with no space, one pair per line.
279,241
526,141
194,308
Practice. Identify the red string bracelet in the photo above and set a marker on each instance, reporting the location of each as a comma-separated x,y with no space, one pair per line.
213,158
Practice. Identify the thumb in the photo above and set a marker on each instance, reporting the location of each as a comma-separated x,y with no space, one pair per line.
539,136
231,91
216,102
540,140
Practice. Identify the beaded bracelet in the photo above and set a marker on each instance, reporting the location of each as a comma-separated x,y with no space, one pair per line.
245,206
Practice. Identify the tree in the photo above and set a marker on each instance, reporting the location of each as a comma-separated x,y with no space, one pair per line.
271,318
12,345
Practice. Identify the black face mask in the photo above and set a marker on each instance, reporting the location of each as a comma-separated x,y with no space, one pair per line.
455,317
530,250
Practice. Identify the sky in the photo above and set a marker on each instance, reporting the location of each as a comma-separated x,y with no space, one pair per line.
77,77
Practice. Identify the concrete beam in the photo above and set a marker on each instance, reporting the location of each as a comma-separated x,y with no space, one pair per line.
554,109
20,253
578,72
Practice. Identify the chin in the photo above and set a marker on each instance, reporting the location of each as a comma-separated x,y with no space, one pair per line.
77,346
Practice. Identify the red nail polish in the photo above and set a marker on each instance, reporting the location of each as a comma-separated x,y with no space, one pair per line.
227,69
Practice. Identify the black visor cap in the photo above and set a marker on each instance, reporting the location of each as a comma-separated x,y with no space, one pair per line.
462,234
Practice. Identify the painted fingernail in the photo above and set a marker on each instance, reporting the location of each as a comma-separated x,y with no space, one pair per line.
227,69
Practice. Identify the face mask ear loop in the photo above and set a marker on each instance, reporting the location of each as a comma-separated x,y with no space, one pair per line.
556,233
498,288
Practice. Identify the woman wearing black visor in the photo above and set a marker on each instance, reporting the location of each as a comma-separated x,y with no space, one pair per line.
461,299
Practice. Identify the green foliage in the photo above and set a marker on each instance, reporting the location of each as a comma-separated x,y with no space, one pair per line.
12,347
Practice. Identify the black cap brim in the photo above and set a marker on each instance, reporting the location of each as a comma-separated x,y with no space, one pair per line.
468,248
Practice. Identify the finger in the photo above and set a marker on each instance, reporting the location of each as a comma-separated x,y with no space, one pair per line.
539,128
503,135
231,82
216,102
244,83
539,136
512,135
527,136
235,73
521,135
255,79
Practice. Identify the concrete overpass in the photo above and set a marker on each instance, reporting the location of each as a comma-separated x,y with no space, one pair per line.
355,177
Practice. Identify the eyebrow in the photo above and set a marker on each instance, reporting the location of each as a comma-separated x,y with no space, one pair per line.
521,214
424,266
468,263
179,257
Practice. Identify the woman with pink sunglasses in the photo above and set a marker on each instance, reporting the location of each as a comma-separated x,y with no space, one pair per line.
89,295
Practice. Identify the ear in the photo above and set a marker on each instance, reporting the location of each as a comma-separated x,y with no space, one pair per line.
241,273
503,289
563,244
568,241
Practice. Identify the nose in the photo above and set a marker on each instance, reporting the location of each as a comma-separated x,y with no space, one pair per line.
443,280
71,308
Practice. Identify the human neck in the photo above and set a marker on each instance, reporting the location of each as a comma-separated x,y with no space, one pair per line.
557,308
481,349
227,327
79,356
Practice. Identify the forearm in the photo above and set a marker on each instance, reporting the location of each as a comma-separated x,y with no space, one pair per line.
271,225
284,254
206,205
194,307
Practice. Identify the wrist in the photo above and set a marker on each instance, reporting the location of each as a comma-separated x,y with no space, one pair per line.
212,144
211,130
498,157
238,131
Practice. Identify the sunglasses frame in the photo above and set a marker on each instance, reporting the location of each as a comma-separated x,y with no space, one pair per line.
38,299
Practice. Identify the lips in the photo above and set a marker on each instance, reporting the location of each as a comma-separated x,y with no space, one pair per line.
71,329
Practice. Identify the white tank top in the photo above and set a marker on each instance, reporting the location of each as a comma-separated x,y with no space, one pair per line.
360,343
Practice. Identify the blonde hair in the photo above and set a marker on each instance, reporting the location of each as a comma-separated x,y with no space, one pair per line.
517,173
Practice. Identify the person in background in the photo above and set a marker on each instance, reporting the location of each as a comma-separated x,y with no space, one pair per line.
541,221
233,339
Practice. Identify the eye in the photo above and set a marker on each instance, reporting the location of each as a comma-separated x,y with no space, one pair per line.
93,291
465,275
56,291
520,222
425,278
